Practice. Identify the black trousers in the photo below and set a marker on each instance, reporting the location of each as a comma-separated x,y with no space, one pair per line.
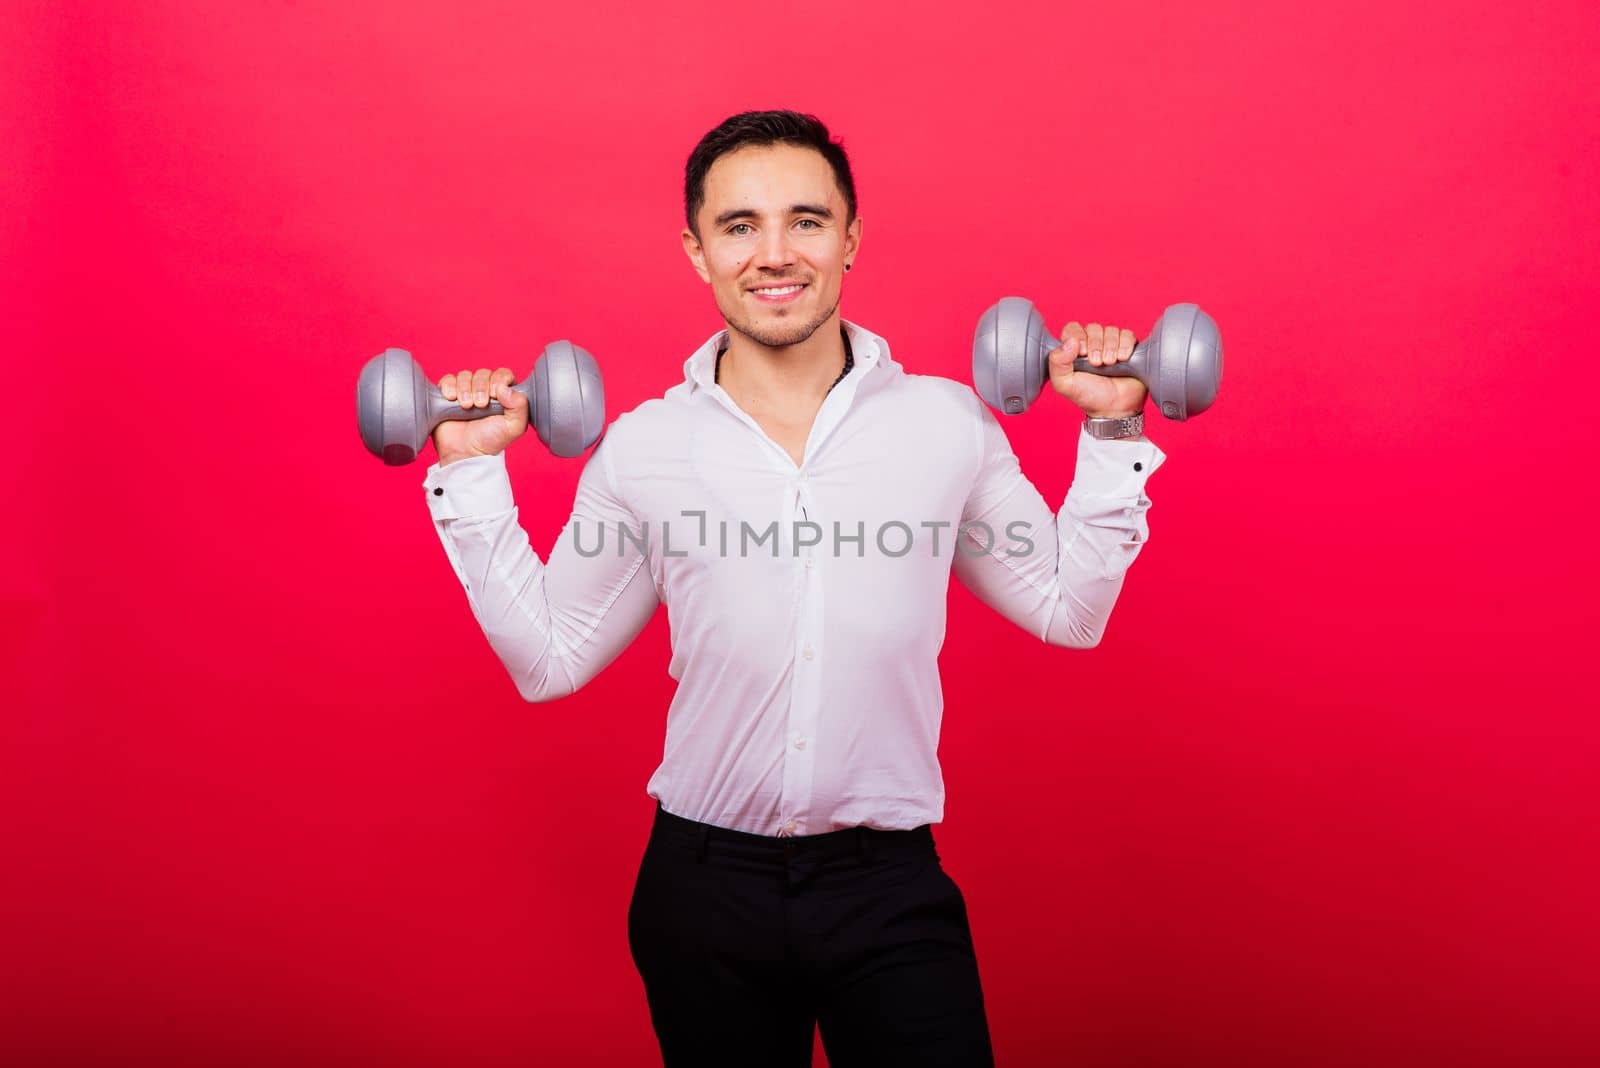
747,943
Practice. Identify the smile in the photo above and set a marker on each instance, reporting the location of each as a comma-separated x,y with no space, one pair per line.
777,295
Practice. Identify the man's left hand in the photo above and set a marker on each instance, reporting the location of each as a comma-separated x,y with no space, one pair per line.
1098,395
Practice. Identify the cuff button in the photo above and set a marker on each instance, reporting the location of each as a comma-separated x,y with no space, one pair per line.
438,491
1137,467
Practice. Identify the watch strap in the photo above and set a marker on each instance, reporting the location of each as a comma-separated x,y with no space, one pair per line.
1128,426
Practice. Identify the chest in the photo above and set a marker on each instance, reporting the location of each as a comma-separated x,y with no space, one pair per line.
789,434
717,479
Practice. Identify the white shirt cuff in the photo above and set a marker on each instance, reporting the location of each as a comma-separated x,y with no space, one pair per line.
1114,468
467,489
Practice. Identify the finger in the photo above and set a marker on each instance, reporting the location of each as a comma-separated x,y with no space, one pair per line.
480,387
1062,375
1113,337
1125,344
464,387
498,382
1073,332
512,398
447,387
515,403
1096,342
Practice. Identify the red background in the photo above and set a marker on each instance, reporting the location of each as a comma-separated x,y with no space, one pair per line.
1325,795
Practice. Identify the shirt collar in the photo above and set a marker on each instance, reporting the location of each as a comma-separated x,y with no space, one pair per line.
867,349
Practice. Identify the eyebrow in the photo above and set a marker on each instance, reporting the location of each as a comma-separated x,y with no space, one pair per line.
797,209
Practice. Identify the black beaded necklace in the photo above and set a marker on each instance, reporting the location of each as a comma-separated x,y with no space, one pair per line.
849,361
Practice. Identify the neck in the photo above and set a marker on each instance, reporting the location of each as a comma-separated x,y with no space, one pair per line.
784,377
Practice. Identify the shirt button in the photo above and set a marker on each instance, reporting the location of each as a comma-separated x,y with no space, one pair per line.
807,653
810,561
799,743
788,827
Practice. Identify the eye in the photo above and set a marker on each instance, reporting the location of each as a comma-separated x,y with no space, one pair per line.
732,229
813,222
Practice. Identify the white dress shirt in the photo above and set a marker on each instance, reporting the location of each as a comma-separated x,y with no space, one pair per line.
806,604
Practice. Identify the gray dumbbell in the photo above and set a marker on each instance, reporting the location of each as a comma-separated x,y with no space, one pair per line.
1180,362
397,407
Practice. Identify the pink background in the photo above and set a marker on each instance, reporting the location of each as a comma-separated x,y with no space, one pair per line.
1325,795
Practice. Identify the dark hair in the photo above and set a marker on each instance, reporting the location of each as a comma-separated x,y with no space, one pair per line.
763,128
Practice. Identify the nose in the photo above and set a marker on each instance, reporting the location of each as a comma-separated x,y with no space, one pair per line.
774,251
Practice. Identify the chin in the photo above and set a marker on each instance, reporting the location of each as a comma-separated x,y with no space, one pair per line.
773,331
780,334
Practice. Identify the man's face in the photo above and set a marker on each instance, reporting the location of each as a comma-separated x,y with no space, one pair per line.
773,216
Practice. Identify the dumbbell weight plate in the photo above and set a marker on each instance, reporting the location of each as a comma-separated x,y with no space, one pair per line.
391,402
569,399
1009,357
1182,362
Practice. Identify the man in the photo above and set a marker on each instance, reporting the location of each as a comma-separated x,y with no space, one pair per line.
798,502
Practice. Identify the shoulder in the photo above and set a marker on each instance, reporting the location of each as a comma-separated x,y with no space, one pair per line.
649,426
943,398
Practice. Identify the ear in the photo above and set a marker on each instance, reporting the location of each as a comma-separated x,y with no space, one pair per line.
696,254
852,239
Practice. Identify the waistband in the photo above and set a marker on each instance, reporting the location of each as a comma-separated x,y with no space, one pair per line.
849,842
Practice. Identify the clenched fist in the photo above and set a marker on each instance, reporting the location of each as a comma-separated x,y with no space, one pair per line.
458,440
1098,395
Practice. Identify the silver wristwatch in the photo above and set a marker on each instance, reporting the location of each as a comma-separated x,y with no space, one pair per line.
1129,426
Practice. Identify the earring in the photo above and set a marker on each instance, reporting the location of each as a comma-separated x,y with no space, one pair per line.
847,268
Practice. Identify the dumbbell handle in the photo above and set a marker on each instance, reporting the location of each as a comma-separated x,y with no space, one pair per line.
442,409
1120,369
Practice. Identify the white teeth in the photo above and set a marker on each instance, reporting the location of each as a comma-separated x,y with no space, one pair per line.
778,292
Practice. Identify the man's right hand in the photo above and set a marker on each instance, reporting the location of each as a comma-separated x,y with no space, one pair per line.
458,440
